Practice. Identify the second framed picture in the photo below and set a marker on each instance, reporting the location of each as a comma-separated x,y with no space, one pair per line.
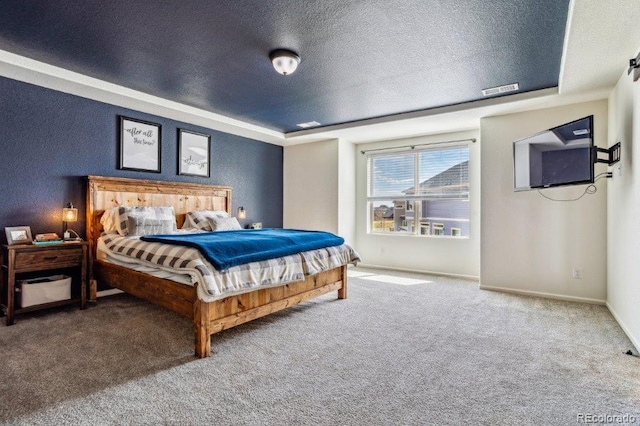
194,150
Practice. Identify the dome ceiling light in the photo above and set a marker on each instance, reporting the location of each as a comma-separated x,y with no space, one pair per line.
284,61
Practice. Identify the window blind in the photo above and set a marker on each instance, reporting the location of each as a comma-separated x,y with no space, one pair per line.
437,173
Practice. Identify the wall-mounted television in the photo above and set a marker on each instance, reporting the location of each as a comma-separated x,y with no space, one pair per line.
563,155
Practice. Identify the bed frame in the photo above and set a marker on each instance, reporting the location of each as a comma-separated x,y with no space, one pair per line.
208,317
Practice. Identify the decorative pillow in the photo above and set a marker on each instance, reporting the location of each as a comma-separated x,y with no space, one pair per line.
200,219
161,213
109,219
224,224
140,225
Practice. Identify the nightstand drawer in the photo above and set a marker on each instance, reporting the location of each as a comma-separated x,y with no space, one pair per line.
49,258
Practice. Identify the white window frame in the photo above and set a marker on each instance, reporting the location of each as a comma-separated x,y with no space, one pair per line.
417,202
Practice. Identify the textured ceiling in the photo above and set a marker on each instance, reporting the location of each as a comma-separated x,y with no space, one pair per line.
602,42
360,59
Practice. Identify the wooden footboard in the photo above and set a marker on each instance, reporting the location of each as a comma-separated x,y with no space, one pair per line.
212,317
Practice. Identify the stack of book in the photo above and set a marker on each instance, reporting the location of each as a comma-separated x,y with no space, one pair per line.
44,239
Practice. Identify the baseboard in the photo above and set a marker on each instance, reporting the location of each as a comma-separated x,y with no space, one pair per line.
544,295
416,271
635,342
109,292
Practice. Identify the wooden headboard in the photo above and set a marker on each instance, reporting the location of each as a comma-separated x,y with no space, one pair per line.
106,192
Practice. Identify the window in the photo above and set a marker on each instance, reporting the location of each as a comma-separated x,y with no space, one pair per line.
424,228
419,192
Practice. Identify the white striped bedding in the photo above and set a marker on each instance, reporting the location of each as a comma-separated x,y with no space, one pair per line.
172,259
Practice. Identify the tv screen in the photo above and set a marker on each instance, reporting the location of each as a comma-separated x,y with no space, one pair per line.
556,157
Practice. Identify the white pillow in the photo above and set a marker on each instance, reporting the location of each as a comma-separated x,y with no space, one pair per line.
224,224
200,219
160,213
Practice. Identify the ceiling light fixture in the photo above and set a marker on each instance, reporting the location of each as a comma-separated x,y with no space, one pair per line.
284,61
308,124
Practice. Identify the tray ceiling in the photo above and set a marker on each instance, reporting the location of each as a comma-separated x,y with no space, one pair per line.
360,59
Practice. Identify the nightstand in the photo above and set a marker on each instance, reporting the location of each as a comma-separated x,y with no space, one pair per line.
29,261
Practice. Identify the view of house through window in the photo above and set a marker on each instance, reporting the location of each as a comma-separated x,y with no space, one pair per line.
419,192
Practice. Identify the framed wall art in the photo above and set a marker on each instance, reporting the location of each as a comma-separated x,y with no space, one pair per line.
194,150
139,145
18,235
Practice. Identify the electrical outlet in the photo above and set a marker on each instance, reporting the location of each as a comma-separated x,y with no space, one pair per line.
382,250
577,273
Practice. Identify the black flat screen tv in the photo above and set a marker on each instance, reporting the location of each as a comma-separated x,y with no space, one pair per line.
563,155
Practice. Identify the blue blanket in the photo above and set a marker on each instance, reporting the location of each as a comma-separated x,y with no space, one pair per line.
225,249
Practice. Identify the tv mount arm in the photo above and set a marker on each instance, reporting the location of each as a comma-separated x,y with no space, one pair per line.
613,154
634,65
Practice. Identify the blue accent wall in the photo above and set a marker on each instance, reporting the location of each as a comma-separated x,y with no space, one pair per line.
50,141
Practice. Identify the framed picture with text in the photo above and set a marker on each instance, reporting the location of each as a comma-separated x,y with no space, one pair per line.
194,150
139,145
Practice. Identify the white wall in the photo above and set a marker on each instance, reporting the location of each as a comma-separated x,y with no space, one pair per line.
347,191
623,294
428,254
310,186
530,244
319,188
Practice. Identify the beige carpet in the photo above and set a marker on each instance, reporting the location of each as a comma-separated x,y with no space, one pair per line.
403,349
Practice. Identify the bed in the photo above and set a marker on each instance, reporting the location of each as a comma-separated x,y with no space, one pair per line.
209,317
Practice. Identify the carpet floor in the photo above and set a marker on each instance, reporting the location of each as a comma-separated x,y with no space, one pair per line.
404,349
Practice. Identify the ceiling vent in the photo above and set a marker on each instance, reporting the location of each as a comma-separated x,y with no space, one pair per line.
308,124
502,89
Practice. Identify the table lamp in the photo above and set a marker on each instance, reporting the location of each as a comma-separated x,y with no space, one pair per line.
70,214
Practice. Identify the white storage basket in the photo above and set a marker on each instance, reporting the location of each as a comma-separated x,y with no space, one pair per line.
37,291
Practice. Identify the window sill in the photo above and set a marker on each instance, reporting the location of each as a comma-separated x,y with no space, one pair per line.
399,234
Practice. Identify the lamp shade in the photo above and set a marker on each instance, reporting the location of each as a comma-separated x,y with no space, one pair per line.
69,213
284,61
242,213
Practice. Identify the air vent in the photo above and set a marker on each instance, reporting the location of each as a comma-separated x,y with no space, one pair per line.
308,124
502,89
581,132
